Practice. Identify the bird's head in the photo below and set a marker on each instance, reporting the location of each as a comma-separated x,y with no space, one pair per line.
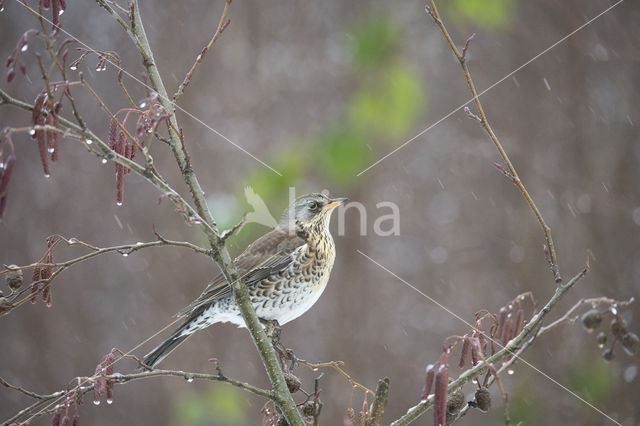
309,211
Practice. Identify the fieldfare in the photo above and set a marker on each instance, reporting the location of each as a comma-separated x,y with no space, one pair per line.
285,270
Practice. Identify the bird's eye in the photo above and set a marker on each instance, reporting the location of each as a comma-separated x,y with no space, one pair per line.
313,205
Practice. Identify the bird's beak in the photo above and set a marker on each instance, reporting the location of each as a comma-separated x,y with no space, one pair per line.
336,202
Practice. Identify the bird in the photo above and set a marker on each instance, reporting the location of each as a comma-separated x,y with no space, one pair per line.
286,270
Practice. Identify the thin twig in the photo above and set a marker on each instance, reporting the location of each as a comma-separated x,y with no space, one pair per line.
123,378
27,392
336,365
125,250
222,25
108,153
433,12
568,316
220,254
508,350
37,410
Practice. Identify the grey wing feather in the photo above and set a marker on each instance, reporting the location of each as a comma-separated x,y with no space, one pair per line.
268,255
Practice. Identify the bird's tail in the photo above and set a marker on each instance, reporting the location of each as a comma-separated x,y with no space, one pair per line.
158,354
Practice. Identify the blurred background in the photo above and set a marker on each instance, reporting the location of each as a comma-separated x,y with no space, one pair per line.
320,91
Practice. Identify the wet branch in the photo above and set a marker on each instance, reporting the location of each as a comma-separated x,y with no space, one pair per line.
104,151
432,10
59,267
521,341
220,253
48,404
222,25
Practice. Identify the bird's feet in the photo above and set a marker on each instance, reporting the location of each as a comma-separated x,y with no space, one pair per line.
272,330
286,356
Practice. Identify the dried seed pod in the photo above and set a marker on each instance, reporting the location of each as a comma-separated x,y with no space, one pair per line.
618,326
308,409
601,339
591,320
630,343
293,383
482,400
455,402
14,279
5,304
607,354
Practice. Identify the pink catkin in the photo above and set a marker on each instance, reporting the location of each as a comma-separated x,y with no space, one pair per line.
508,330
474,351
128,153
34,287
120,170
519,322
502,315
440,397
113,128
464,351
428,382
6,173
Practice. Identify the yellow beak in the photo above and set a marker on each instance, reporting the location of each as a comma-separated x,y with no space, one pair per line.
336,202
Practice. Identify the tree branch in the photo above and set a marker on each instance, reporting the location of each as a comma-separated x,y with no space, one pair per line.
125,250
108,153
432,10
379,403
510,348
40,407
220,253
222,25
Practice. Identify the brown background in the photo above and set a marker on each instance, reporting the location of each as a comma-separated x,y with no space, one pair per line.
279,74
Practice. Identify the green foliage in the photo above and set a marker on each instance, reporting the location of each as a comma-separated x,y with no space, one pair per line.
344,153
491,14
592,379
219,404
523,405
384,107
389,107
291,163
373,41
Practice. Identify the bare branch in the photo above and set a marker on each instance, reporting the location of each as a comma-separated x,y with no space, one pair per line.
124,250
518,342
336,365
44,406
432,10
222,25
380,402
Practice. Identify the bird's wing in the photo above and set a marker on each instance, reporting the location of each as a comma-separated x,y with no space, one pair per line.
267,255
